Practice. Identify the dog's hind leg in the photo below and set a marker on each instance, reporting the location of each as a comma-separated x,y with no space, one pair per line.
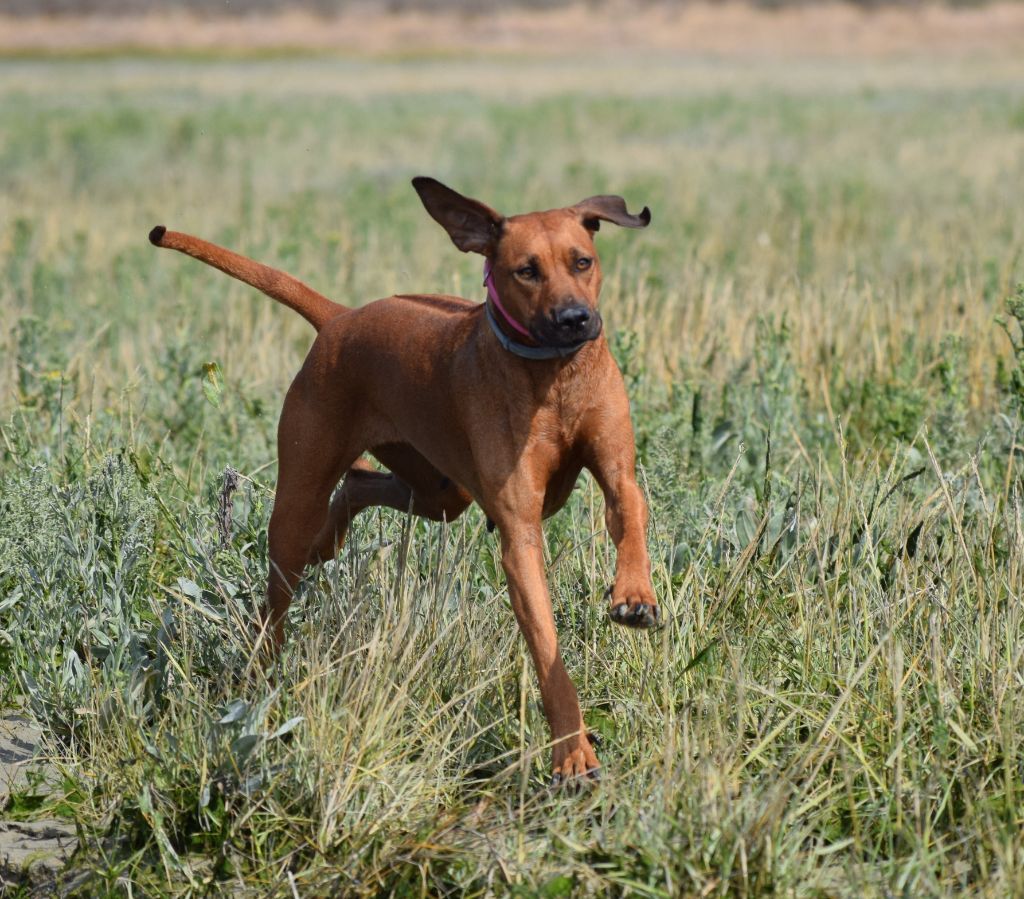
412,485
362,488
314,450
431,494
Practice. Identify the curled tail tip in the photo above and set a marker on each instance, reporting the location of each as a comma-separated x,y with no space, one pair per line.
157,235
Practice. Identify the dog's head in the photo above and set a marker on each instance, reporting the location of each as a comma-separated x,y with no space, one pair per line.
545,265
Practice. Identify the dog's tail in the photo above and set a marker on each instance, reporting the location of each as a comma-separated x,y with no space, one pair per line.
312,306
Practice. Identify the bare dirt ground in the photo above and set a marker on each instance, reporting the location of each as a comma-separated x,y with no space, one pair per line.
31,852
730,29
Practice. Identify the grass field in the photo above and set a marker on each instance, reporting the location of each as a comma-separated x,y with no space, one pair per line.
821,335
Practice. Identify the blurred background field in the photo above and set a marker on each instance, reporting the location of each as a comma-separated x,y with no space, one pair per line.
821,334
871,205
486,27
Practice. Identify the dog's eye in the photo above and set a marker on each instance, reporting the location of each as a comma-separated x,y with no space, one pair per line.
527,272
583,263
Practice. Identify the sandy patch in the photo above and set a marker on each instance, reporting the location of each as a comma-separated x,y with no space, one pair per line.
729,29
18,742
31,852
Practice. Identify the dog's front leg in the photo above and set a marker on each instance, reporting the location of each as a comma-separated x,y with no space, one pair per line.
522,557
612,461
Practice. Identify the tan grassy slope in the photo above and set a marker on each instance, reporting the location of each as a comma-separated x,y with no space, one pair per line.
729,29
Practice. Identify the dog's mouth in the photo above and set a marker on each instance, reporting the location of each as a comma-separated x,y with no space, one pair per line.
567,328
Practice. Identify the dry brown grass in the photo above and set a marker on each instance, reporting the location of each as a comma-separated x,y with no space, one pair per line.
731,29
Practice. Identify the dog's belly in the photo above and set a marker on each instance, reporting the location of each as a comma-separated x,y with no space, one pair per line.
449,454
471,465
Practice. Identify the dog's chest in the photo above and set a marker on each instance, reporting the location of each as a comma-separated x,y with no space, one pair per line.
571,402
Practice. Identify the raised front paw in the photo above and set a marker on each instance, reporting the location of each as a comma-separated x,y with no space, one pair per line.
634,607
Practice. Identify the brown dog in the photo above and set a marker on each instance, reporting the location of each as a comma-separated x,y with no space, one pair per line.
502,403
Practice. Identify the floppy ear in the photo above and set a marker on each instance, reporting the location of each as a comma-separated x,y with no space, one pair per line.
473,226
594,210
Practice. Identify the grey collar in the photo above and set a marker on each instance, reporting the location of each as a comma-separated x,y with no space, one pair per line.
531,352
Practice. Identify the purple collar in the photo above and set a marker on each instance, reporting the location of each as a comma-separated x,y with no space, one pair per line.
492,293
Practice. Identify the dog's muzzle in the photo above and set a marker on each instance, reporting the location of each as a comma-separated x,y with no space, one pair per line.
568,325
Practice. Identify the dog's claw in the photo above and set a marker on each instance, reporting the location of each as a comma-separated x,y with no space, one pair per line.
590,776
641,615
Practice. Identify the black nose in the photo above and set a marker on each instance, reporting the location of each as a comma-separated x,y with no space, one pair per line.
571,318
